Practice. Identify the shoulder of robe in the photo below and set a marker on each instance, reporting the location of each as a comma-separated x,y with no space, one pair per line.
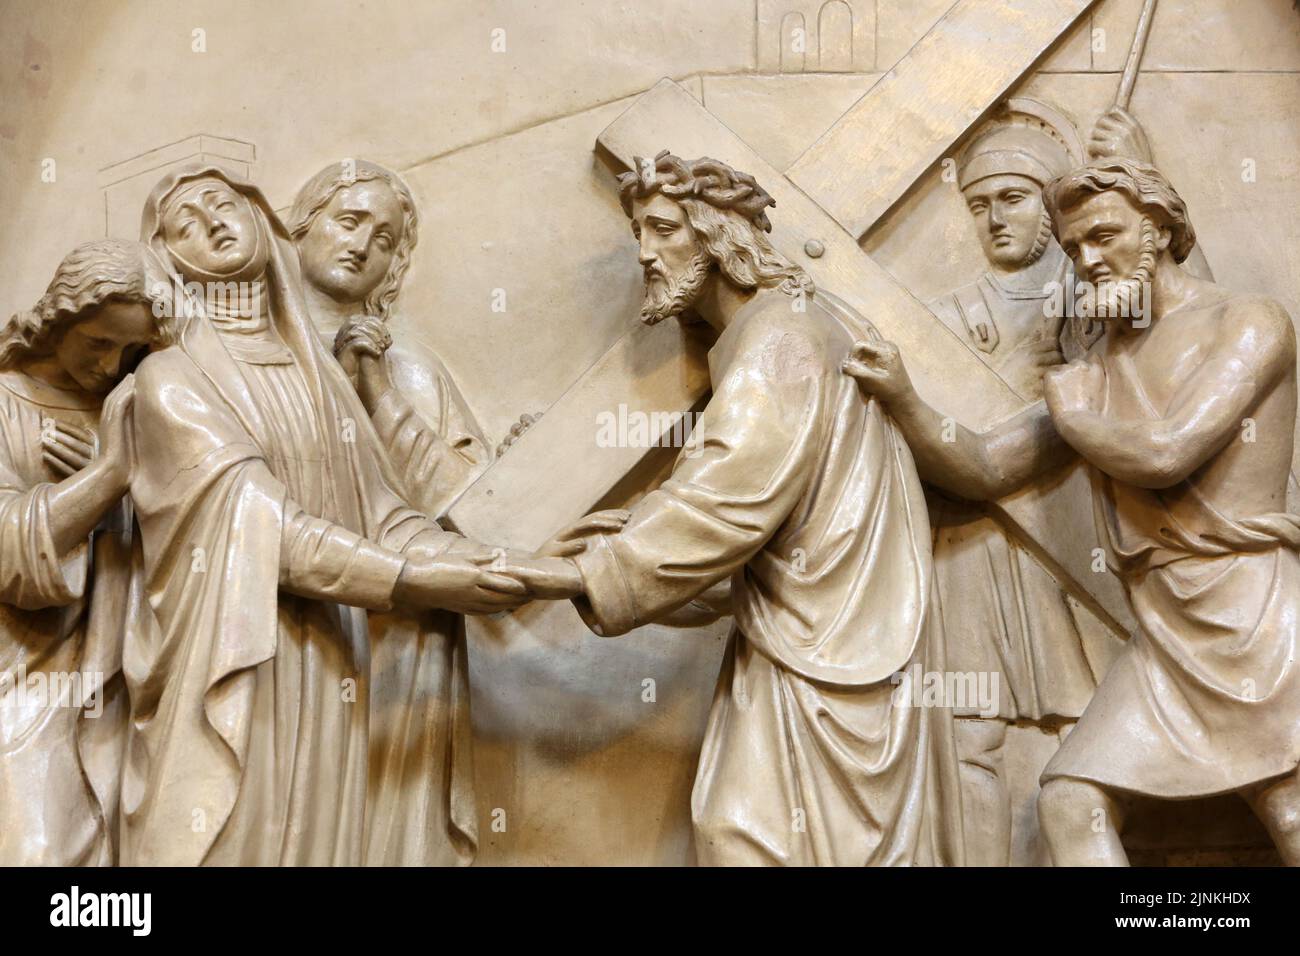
416,368
10,396
791,345
165,378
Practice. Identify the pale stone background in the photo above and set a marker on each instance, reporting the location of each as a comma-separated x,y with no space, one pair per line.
498,149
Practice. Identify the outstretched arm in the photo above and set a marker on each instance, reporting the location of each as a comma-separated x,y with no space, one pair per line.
1256,346
982,466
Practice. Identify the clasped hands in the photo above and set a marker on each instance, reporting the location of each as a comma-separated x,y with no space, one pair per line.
480,579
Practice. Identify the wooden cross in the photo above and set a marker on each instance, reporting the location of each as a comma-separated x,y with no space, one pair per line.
828,199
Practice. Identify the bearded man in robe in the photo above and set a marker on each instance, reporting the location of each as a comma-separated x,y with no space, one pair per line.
65,552
1002,613
271,520
807,502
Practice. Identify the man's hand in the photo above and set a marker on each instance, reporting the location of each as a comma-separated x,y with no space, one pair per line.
1024,365
461,584
879,370
1118,134
1074,388
570,541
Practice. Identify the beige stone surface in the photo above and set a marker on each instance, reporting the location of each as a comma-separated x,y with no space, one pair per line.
586,770
808,105
498,149
393,81
827,36
1204,35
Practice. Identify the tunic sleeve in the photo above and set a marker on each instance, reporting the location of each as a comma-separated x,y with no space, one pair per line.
748,463
327,562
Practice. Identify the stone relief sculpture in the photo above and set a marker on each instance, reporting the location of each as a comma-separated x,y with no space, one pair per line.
807,500
1001,315
234,631
1186,413
1002,613
355,225
65,543
270,517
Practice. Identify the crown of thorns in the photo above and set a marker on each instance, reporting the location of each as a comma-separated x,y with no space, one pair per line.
705,179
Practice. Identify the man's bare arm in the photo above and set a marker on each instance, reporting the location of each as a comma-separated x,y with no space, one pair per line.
982,466
1256,346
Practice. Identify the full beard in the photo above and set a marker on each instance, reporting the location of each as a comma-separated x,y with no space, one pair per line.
1117,299
678,293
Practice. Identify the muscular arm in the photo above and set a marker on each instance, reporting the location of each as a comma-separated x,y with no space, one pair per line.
1255,347
982,466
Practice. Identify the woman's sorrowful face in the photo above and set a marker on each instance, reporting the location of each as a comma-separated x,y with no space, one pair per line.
209,225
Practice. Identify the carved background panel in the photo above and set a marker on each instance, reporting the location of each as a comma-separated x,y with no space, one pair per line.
497,147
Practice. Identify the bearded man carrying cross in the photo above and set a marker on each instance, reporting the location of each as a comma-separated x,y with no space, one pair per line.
806,499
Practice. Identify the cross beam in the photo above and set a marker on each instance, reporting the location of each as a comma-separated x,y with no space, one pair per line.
507,504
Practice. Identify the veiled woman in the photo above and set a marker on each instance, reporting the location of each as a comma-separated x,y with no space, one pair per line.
269,520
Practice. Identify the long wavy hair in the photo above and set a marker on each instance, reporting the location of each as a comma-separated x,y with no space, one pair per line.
726,208
89,276
320,189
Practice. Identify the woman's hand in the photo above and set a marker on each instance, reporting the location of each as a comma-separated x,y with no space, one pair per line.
359,347
466,585
547,579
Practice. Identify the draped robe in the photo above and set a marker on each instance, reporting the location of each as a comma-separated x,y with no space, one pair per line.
269,519
807,498
62,700
436,450
1001,611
